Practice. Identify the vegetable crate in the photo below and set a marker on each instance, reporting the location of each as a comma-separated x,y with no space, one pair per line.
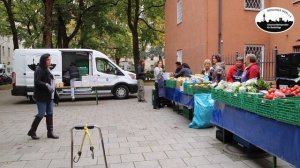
288,110
235,99
265,107
188,88
249,102
201,90
188,113
171,83
216,94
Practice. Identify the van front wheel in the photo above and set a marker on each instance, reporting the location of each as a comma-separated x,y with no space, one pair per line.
121,92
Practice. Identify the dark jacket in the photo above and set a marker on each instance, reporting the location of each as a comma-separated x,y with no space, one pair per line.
140,72
184,72
73,71
178,69
218,72
41,77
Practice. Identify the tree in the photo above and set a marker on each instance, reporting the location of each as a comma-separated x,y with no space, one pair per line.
137,11
47,30
11,19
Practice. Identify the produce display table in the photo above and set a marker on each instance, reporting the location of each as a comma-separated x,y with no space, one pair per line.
177,96
279,139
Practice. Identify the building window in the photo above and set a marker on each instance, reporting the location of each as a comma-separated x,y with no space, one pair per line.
8,52
296,1
258,51
296,49
255,5
179,11
179,55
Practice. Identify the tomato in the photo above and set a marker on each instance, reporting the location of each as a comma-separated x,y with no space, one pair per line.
298,90
293,93
270,91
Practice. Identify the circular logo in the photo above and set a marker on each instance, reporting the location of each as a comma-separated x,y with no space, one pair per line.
274,20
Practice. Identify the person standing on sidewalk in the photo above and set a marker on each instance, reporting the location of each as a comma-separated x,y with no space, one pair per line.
158,72
140,76
74,75
44,91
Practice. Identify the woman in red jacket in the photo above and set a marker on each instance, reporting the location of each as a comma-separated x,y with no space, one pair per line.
252,70
235,72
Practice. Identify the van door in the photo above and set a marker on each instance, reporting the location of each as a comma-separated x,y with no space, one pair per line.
106,72
32,61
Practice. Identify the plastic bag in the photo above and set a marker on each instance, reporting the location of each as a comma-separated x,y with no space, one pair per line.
203,107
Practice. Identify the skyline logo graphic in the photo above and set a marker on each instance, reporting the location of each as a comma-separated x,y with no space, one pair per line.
274,20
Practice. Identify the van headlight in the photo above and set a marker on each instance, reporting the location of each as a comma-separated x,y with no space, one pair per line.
132,75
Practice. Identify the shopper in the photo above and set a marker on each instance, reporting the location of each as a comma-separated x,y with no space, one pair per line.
252,69
178,66
140,80
74,75
44,91
235,72
158,72
217,73
207,68
184,72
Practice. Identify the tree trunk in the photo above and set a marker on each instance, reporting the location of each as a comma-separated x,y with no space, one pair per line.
8,6
47,32
136,49
133,26
117,60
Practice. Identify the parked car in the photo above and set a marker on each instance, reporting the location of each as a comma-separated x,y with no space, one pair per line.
5,79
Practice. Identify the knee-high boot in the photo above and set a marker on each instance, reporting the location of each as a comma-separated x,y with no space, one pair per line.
49,122
34,125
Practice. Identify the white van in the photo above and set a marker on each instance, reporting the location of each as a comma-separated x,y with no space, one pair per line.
112,79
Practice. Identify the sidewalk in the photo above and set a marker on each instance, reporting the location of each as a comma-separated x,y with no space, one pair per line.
135,136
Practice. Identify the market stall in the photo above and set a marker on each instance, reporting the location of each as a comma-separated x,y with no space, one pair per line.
265,117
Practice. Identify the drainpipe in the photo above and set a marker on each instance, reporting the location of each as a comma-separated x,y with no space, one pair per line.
220,41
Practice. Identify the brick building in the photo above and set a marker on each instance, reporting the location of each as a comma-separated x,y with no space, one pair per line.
196,29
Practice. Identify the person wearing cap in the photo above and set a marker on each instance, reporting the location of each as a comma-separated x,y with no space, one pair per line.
185,71
235,72
252,69
178,66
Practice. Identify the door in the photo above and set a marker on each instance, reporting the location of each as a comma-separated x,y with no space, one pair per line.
106,71
32,61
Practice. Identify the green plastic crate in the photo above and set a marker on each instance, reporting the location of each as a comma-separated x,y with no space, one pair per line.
171,83
188,88
221,95
201,90
215,94
225,97
249,102
235,99
83,71
265,107
288,110
188,113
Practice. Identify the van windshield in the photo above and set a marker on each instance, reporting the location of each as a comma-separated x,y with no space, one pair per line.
104,66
